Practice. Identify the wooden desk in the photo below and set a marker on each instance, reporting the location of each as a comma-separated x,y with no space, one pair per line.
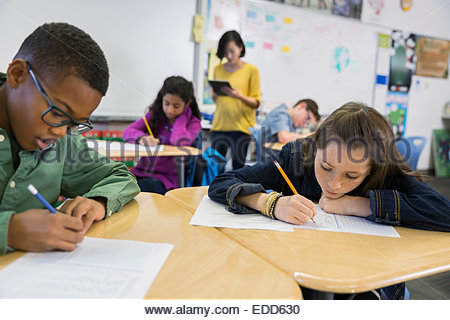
276,146
204,264
340,262
103,147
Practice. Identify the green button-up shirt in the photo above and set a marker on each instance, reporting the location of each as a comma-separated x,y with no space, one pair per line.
70,168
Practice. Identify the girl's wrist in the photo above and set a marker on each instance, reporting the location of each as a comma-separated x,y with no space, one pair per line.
361,206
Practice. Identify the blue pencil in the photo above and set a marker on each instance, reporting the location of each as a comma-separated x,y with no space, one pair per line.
34,192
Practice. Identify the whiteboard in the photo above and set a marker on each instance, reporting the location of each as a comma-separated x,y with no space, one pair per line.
143,41
426,17
304,54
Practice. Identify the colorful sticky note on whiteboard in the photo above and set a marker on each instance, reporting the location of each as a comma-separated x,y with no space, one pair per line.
251,14
288,20
285,49
249,44
268,45
270,18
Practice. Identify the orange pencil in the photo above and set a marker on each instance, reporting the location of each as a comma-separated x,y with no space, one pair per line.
287,180
148,127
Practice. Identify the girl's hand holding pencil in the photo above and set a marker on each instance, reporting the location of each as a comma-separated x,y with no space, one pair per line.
148,141
148,126
294,209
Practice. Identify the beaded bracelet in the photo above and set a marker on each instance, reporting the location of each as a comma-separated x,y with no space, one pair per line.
266,201
269,204
272,206
263,211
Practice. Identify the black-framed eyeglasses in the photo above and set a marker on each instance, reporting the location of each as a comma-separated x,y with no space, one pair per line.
56,117
308,118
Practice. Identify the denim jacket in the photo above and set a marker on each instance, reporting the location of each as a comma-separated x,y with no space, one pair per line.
403,200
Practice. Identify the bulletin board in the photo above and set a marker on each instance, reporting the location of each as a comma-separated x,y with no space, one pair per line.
301,54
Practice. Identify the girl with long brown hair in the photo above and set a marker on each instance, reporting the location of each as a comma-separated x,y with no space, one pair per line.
350,166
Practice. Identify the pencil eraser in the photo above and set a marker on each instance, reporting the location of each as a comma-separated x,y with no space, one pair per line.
32,189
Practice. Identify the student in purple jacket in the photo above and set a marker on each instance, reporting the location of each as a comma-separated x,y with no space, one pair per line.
174,119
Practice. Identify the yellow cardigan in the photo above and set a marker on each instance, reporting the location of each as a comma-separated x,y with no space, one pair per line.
232,114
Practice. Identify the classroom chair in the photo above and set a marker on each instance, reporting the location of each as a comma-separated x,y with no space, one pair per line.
191,164
202,169
257,136
208,116
410,148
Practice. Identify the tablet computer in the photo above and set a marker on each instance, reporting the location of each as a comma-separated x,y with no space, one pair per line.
217,86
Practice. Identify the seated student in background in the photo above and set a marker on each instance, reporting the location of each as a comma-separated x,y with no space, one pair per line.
174,119
280,124
54,83
350,166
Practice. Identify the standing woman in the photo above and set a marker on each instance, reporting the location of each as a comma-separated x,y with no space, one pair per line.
235,106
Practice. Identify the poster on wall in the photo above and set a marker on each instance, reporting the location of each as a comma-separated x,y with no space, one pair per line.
221,16
347,8
211,62
207,90
373,11
382,72
403,60
326,58
397,107
324,6
441,152
432,57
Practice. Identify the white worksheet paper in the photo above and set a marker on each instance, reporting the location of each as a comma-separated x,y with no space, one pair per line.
213,214
121,146
350,224
98,268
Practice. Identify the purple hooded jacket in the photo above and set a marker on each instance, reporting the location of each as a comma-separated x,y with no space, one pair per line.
182,133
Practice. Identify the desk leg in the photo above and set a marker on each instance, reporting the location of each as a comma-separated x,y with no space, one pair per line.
311,294
322,295
181,173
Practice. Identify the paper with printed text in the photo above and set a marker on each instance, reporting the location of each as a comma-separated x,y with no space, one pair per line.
98,268
213,214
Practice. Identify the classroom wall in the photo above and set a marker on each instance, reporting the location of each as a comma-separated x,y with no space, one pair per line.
427,95
144,42
426,17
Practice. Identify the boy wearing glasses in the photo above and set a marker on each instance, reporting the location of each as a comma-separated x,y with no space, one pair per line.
54,83
281,123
